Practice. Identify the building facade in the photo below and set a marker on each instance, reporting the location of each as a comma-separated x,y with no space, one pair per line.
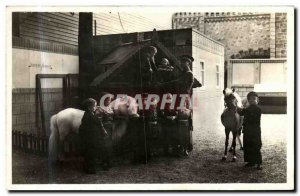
47,43
255,44
239,31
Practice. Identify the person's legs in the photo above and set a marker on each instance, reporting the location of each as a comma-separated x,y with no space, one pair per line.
90,161
106,154
258,159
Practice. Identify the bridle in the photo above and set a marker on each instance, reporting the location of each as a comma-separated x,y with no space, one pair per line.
232,100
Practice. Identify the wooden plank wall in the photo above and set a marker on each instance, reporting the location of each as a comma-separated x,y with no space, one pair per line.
58,27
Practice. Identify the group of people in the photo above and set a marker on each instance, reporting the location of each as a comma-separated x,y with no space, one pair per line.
96,140
162,77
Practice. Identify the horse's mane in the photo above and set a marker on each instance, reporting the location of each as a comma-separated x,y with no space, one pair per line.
229,93
239,99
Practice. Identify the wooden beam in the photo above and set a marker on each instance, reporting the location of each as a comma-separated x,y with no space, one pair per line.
39,97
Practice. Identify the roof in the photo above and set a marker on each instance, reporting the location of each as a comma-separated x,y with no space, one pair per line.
116,59
121,54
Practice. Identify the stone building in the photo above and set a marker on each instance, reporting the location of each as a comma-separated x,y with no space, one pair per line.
255,43
239,31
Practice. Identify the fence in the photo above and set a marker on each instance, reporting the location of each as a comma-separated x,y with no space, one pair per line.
35,144
29,142
133,143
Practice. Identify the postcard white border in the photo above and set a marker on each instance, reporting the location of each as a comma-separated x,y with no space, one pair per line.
226,186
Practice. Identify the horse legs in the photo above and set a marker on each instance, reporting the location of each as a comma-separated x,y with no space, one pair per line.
227,131
234,133
239,138
61,147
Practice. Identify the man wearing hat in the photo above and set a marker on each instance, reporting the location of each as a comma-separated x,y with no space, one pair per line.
185,79
252,132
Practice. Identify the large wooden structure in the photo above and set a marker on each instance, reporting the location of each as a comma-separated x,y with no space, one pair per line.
120,72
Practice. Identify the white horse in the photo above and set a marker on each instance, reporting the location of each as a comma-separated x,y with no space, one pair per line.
231,120
68,121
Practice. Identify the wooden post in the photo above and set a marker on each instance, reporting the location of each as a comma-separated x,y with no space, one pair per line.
65,92
34,144
19,139
39,97
86,52
13,138
95,27
31,142
25,142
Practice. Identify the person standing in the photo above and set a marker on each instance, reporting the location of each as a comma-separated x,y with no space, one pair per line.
252,132
148,67
91,132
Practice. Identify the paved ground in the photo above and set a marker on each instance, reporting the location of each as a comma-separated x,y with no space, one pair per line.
202,166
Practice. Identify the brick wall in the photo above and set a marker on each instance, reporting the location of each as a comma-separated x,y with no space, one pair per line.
24,116
280,32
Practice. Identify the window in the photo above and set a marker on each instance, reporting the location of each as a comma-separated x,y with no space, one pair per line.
218,75
202,73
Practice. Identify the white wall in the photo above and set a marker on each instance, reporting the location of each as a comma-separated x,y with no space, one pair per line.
273,73
27,63
243,73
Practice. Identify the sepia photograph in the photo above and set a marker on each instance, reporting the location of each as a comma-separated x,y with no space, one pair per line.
150,98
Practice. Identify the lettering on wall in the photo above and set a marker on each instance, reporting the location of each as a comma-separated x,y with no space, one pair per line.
40,66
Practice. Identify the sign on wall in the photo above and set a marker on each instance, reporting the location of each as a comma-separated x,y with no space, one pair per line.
27,63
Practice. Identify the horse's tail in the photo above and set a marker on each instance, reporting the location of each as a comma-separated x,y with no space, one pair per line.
53,140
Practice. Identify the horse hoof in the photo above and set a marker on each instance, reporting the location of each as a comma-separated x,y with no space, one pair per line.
233,159
224,158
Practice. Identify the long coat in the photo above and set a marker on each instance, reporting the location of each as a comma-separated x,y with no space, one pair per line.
90,132
252,134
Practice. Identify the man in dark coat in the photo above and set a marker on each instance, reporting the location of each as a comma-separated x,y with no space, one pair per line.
184,82
168,118
148,66
91,132
183,85
252,132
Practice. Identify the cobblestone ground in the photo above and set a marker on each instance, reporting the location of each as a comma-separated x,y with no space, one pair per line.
204,164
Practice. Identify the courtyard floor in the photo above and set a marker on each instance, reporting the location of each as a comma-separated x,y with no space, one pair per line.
204,164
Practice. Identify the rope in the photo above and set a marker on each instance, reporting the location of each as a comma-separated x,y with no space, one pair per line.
141,90
121,22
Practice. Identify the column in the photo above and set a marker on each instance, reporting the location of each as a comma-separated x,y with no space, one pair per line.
272,36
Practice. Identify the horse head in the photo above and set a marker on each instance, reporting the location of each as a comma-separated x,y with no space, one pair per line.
230,101
230,95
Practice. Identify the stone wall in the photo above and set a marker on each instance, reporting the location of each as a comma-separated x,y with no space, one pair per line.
280,34
24,116
240,32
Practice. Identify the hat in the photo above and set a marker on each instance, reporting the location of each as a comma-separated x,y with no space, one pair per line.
252,93
187,57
